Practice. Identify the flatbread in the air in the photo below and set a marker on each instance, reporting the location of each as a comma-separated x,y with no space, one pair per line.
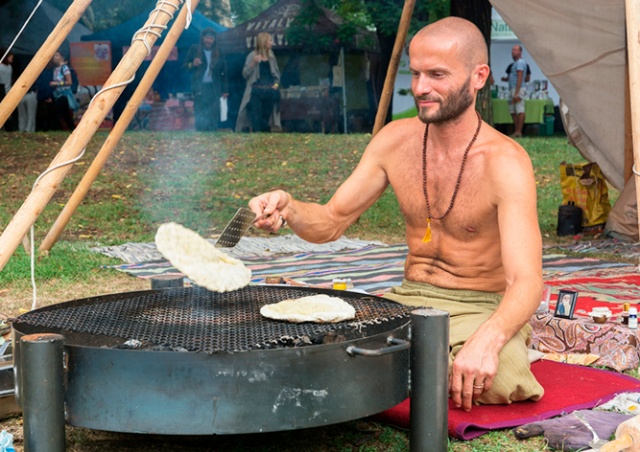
199,260
319,308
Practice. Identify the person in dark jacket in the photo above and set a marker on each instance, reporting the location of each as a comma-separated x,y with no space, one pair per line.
208,80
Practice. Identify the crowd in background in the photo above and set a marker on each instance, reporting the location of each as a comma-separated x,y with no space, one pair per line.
49,104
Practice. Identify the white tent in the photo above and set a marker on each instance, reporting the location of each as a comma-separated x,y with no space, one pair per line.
580,45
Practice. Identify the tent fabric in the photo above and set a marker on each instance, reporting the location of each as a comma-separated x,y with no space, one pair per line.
15,13
580,45
277,18
172,78
121,35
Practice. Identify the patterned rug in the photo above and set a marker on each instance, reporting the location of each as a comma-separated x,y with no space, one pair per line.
375,268
605,245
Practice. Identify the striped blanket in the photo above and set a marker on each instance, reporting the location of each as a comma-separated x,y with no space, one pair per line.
375,268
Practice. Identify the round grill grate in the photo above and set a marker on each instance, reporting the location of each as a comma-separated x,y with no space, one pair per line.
197,320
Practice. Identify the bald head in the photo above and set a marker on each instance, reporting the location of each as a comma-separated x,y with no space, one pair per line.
466,39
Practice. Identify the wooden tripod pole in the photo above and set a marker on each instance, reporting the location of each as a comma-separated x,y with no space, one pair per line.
91,120
42,58
118,130
392,70
632,9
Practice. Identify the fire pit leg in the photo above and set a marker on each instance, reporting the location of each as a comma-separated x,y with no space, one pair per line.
42,392
429,380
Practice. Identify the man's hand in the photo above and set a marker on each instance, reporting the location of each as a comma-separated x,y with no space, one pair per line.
473,371
197,62
515,99
270,209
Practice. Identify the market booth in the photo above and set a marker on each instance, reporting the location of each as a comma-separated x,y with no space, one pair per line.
323,89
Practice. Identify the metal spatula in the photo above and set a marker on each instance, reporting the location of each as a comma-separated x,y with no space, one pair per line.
236,228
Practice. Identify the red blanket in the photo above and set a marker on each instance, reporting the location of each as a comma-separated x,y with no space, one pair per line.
567,388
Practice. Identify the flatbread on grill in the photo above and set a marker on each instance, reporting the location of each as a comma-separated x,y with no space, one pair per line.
315,308
199,260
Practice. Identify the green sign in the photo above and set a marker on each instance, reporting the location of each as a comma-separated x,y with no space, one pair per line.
500,30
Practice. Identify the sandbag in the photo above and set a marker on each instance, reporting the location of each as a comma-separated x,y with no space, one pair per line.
585,186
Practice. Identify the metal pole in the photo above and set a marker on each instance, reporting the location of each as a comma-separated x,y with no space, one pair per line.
344,91
429,380
42,392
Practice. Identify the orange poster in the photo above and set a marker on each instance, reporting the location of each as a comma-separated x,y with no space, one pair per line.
92,62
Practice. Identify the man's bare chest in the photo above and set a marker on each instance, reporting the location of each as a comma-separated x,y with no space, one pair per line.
460,207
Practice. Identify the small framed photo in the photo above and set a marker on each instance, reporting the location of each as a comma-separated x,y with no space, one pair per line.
566,304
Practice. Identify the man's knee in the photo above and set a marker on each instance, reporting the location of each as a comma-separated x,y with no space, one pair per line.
514,381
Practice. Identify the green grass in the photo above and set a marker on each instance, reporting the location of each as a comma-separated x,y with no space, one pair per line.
199,180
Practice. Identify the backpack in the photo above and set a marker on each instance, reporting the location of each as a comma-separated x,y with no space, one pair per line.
74,80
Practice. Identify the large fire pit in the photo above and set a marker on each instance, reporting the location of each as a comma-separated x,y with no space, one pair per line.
190,361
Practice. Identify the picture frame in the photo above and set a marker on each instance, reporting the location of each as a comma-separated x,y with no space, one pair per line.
566,304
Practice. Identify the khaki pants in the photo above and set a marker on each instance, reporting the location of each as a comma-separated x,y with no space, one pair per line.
467,310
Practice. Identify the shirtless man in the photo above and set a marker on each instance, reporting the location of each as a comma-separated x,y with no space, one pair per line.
471,223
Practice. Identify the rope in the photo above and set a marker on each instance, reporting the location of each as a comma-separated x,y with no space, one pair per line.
150,29
146,30
32,251
21,30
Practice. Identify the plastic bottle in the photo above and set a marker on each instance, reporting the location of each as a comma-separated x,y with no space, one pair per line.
625,313
6,442
633,318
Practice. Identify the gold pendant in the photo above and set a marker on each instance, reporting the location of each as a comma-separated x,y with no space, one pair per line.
427,233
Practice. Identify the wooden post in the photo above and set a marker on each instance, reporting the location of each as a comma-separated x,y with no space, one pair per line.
392,70
78,140
42,58
628,136
118,130
632,9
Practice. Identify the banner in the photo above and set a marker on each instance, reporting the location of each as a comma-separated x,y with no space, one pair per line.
91,61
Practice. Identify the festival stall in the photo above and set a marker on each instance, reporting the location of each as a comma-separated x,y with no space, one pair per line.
332,86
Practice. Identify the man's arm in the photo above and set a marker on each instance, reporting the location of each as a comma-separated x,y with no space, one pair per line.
521,243
321,223
516,94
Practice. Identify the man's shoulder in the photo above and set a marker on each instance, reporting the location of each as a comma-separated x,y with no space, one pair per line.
396,135
520,65
499,145
399,129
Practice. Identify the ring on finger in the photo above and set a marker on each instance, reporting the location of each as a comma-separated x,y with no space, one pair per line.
284,222
478,386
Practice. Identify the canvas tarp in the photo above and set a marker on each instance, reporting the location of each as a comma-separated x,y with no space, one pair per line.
580,45
14,15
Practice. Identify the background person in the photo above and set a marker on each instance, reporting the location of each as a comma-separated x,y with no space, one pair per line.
63,98
260,105
27,111
464,220
6,82
208,80
517,89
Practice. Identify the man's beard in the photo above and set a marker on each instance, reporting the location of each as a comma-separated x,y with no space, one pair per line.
450,108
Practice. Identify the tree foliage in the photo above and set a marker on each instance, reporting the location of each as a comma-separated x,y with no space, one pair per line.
104,14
